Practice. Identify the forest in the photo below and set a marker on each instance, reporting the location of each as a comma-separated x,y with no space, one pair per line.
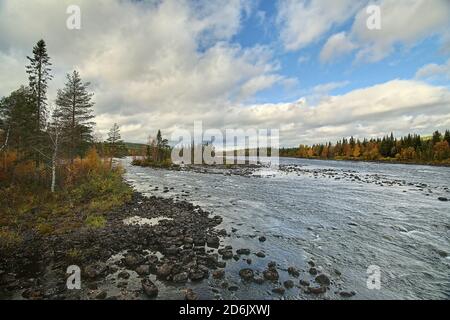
54,174
408,149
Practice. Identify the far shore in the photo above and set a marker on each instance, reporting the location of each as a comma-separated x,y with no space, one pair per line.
378,161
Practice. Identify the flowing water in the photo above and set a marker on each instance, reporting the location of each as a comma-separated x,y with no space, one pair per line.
345,216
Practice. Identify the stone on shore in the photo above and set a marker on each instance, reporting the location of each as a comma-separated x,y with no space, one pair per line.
246,274
150,289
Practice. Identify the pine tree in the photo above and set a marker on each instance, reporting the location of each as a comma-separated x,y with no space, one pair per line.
447,136
38,75
75,111
436,137
161,145
17,113
115,144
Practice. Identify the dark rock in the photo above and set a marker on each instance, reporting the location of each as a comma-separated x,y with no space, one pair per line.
272,265
222,232
95,270
347,294
196,275
243,251
152,259
304,283
279,290
143,270
190,295
131,260
233,288
313,271
226,255
249,261
262,239
172,251
316,290
260,254
442,253
219,274
293,272
271,274
150,289
288,284
180,277
246,274
442,199
213,241
123,275
323,279
164,270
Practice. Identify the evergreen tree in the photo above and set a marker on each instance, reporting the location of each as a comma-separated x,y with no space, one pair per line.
115,144
162,146
75,111
38,75
17,113
447,136
436,137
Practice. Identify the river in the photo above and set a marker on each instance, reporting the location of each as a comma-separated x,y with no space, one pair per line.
343,216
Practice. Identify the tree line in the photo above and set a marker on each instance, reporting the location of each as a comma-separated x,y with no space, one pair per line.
411,148
32,130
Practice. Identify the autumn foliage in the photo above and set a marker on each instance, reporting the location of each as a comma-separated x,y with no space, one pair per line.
411,148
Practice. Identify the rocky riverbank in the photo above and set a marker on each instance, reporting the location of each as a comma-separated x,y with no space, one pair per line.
150,248
37,269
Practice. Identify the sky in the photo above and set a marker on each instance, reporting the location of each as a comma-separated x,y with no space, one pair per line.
311,68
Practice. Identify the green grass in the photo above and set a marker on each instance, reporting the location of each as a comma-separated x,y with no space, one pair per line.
85,204
95,221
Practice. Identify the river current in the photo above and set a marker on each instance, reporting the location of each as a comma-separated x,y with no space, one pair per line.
343,216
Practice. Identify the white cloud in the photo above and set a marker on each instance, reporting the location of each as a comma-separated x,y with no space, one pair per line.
144,59
337,45
305,22
165,64
256,84
303,59
402,22
434,71
400,106
327,87
405,23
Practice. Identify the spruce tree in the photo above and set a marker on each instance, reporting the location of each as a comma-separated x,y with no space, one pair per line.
17,113
38,75
75,111
115,143
447,136
436,137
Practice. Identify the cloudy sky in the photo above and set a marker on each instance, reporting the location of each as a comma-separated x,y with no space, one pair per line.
310,68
